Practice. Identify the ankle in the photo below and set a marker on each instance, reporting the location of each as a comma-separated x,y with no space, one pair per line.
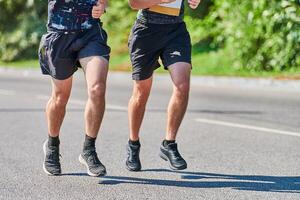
134,142
53,141
167,142
89,143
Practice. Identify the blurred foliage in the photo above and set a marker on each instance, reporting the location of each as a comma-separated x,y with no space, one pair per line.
21,25
118,22
260,35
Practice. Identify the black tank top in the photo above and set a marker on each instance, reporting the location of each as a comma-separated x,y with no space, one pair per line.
70,15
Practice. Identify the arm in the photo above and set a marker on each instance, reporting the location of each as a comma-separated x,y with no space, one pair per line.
143,4
99,9
105,3
194,3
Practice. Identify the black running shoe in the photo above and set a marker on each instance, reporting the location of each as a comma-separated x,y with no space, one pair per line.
133,162
93,165
170,153
51,163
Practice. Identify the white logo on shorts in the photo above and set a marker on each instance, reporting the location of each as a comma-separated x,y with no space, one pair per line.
175,53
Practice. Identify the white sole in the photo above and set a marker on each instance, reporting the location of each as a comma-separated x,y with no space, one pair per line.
82,161
44,167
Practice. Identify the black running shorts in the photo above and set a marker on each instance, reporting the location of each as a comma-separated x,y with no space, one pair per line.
59,52
150,42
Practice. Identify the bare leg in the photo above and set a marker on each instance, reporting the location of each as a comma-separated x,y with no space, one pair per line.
55,113
56,106
95,69
137,106
180,74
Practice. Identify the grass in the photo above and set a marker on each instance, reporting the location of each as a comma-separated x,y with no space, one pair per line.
207,63
120,62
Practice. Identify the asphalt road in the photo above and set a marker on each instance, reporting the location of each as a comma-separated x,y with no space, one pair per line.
240,143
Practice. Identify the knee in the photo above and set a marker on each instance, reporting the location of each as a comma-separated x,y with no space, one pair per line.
97,92
182,88
140,96
60,99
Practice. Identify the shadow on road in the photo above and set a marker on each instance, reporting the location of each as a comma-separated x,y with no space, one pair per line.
283,184
75,174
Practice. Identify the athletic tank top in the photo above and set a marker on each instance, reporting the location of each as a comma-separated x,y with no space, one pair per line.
70,15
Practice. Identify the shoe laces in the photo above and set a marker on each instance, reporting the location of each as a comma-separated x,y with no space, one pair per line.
174,151
92,157
133,153
54,153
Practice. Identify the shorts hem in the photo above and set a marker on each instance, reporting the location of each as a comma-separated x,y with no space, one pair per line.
106,56
166,67
143,76
58,78
138,77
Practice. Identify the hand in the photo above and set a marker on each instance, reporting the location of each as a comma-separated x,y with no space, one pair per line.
99,9
194,3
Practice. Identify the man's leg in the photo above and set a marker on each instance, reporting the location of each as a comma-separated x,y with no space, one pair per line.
136,110
55,113
96,69
137,106
56,106
180,74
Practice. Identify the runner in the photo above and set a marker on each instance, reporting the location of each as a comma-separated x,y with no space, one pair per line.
156,35
75,38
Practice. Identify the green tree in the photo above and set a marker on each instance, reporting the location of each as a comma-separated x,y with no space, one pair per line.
262,35
21,25
118,21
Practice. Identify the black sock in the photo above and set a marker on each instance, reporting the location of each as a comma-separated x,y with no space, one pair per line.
89,142
137,142
167,142
53,141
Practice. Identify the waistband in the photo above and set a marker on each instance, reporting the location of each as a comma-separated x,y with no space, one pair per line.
145,16
97,25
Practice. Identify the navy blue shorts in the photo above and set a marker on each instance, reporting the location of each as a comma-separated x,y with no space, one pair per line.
59,52
150,42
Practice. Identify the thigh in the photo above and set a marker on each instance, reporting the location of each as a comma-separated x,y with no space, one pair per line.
180,73
62,87
95,70
143,87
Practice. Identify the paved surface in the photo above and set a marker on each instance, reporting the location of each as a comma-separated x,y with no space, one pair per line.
240,143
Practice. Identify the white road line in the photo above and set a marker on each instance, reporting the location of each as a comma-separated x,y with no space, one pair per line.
82,103
245,126
7,92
